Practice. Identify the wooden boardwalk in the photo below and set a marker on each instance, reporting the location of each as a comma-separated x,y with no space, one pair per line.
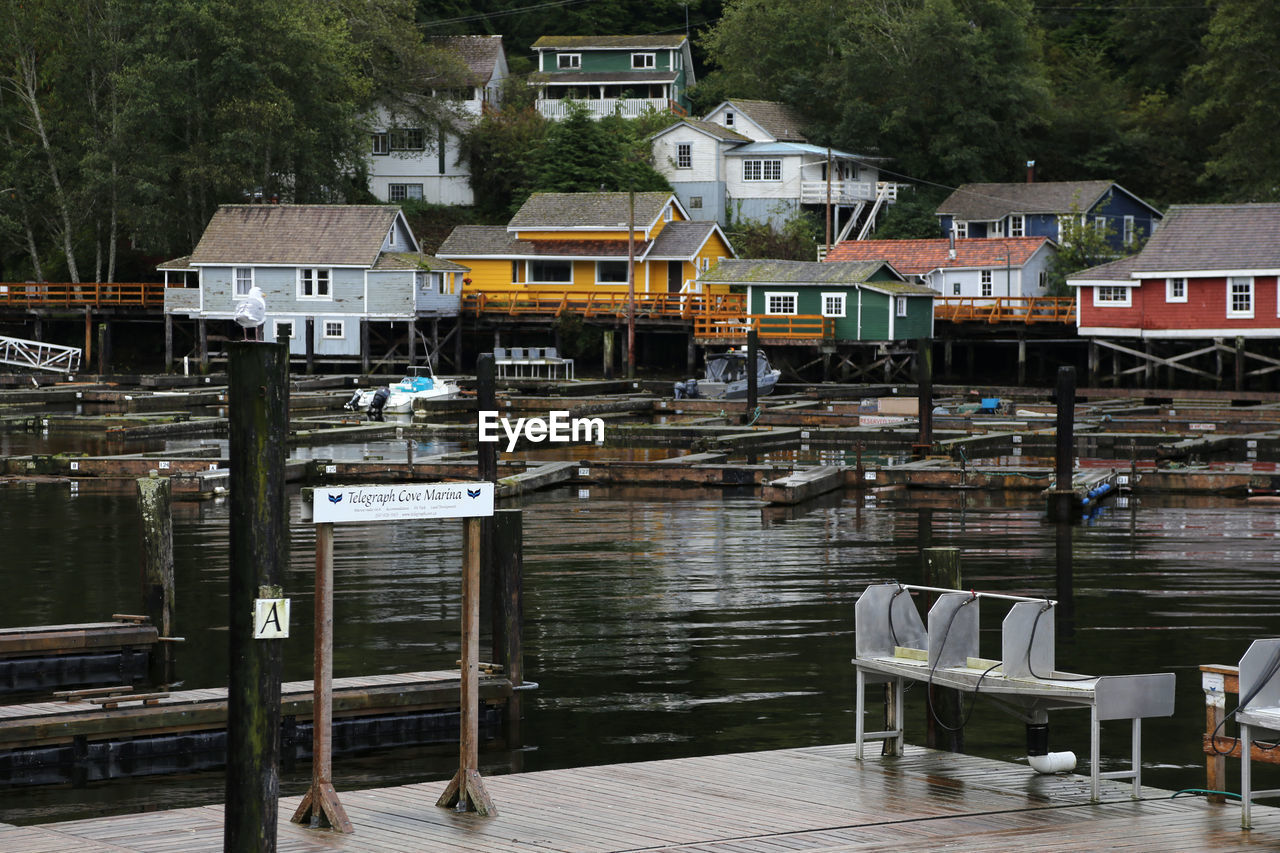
812,799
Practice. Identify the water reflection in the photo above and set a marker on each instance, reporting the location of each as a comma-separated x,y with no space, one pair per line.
668,622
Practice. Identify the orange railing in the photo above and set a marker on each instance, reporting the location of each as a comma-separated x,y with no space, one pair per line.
1005,309
733,326
650,306
63,295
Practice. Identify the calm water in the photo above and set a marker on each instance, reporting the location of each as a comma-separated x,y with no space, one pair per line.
664,623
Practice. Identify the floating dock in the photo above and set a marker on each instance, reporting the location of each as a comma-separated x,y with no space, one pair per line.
809,799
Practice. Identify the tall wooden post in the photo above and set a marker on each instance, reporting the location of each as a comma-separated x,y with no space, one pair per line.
1239,365
924,394
1093,363
607,347
1022,361
202,343
320,807
486,401
412,328
466,791
311,345
631,285
88,335
364,346
508,592
942,569
753,353
154,504
168,343
259,419
690,355
1061,498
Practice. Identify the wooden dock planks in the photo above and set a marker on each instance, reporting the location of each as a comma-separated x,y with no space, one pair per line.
42,723
809,799
80,638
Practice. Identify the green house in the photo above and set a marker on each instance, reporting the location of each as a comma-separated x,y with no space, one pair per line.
840,301
628,75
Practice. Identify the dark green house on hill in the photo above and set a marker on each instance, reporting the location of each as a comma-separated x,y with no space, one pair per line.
836,302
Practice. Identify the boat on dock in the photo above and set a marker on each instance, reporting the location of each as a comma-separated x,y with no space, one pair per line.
726,375
419,383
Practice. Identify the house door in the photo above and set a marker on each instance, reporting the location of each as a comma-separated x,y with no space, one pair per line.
675,276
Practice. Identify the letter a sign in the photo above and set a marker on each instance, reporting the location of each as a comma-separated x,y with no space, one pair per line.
270,618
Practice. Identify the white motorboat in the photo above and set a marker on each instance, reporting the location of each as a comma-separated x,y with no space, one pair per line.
725,377
397,398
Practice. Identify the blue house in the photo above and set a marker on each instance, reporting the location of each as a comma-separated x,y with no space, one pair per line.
339,280
1036,209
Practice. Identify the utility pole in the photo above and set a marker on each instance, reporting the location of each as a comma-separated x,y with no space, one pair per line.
631,285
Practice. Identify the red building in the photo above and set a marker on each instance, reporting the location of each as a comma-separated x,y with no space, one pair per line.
1209,271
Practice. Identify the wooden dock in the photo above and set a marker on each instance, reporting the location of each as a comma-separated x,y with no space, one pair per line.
810,799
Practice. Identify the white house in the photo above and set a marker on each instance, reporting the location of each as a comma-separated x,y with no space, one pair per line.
410,163
748,160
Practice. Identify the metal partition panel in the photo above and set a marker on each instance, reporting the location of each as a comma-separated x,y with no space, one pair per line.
1023,655
1131,697
953,629
884,612
1260,669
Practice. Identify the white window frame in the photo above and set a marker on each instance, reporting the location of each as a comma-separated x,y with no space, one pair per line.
778,308
310,278
960,228
1099,224
955,288
379,144
728,118
987,280
237,279
762,169
684,155
704,264
1129,233
833,304
402,192
407,139
1017,225
528,271
668,213
339,335
695,202
995,228
1112,296
568,61
1242,281
900,305
599,280
425,280
643,61
1171,286
275,329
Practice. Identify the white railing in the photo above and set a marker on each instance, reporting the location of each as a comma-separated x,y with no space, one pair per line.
845,192
39,356
601,107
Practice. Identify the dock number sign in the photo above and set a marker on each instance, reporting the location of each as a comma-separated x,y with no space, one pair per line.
271,618
401,502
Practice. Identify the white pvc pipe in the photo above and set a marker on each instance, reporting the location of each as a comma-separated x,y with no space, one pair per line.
1053,762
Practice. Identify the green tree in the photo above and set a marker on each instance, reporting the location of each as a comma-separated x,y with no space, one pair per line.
1081,245
796,240
583,154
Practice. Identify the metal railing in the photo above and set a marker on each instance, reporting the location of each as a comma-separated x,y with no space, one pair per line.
652,306
1005,309
68,295
38,355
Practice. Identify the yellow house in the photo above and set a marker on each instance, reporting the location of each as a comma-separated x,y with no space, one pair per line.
577,242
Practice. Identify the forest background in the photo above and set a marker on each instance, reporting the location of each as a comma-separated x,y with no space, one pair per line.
124,123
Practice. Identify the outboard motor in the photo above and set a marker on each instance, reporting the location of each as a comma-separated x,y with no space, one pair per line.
688,388
354,403
375,405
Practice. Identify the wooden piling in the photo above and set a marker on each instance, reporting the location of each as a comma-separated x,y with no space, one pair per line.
753,348
154,502
311,345
941,568
1061,498
202,341
1239,363
924,394
364,346
486,401
168,343
508,593
258,426
104,348
607,348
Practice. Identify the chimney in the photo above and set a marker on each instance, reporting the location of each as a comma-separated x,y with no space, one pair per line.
951,244
1031,171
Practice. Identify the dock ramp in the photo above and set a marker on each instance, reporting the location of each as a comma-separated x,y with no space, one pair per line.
38,355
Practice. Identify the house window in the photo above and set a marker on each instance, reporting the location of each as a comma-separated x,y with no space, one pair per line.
313,284
400,192
334,329
695,202
1240,296
668,213
568,60
955,288
833,305
643,60
996,228
282,329
407,139
424,281
378,143
704,264
1175,290
1017,225
728,118
779,303
1128,231
900,304
551,271
611,272
1105,296
985,276
1100,224
684,155
244,280
961,229
761,170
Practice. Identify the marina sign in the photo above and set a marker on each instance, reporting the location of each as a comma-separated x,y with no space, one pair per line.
401,502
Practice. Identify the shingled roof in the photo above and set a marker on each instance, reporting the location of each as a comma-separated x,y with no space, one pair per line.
480,53
803,273
416,261
600,211
681,240
919,257
1214,237
295,234
605,42
710,128
989,202
465,240
778,120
